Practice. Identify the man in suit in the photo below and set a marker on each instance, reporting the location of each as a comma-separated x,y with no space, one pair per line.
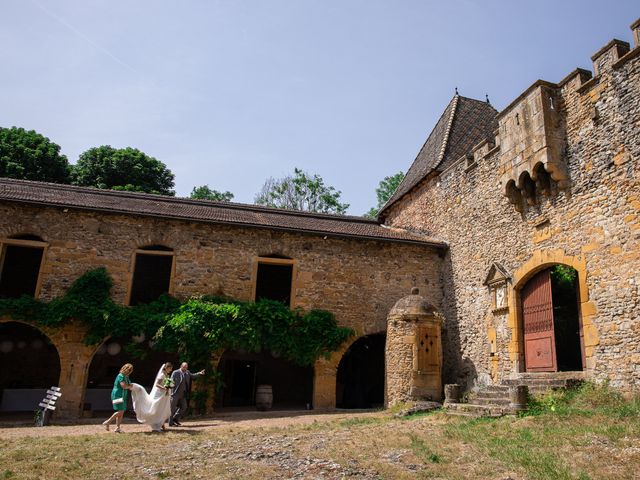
181,389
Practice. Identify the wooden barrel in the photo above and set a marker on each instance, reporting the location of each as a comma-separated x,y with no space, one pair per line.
264,397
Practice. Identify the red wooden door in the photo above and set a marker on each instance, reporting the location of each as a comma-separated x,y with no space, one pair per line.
537,314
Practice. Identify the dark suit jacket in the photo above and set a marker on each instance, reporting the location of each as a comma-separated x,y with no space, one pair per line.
182,382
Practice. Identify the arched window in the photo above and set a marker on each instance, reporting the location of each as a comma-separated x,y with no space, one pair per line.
152,272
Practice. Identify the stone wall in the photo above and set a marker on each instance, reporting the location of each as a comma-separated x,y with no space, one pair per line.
592,224
358,280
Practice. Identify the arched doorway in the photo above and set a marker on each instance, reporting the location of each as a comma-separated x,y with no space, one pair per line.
241,373
360,378
551,326
30,365
108,360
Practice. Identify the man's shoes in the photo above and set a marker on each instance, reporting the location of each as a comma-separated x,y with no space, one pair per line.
177,424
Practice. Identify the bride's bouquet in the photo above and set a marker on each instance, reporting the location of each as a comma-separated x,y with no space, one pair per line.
168,383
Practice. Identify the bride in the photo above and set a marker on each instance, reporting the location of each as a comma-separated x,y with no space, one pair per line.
154,408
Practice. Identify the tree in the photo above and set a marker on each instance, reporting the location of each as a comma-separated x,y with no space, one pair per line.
122,169
30,156
385,189
205,193
301,191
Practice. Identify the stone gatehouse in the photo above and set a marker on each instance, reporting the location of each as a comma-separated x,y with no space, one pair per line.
492,205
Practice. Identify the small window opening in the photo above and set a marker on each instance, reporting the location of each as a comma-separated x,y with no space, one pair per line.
19,270
151,277
274,282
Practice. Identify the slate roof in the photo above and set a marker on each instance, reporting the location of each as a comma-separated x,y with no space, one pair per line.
463,124
143,204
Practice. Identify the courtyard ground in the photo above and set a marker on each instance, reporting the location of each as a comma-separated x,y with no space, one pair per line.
588,435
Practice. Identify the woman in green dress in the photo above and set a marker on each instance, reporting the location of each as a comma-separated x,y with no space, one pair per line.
119,396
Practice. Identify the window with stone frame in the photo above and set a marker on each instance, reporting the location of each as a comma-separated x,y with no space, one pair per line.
152,273
274,279
20,264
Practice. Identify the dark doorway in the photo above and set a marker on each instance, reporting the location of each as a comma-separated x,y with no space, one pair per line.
360,379
551,321
566,318
108,360
20,270
242,372
30,365
151,276
273,282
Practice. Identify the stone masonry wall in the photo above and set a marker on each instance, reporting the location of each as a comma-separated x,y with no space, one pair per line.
357,280
594,222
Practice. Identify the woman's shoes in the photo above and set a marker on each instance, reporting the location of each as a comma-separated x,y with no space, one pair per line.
106,425
117,430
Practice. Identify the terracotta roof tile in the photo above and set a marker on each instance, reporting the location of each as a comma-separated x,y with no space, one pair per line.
130,203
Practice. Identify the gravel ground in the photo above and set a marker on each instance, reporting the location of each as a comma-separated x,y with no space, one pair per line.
236,420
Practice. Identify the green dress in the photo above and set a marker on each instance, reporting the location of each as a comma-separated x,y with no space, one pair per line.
119,392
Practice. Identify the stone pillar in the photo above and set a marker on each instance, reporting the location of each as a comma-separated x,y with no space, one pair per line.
518,396
413,351
75,359
452,393
324,381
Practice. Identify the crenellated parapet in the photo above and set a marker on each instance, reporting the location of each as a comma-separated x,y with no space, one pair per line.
532,135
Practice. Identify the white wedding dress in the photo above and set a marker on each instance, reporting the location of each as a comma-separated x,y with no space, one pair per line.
152,408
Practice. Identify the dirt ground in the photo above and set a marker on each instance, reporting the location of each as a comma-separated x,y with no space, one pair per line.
236,420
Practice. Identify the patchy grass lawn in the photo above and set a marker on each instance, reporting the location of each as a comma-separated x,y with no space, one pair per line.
588,433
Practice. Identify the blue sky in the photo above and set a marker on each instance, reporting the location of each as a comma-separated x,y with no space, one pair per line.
230,92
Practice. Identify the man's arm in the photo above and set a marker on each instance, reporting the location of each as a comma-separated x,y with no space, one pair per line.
197,374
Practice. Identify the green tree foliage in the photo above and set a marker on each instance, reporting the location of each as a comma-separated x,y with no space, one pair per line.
123,169
27,155
205,193
384,191
301,191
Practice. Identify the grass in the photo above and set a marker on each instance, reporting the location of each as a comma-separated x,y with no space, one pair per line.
590,432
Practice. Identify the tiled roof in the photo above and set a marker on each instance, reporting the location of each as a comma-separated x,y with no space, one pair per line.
130,203
463,124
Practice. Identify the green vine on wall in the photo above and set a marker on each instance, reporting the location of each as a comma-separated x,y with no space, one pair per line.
195,328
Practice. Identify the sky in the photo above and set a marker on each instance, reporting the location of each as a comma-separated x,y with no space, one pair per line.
231,92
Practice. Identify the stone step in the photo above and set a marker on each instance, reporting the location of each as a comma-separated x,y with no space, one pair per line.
551,375
492,394
491,401
473,409
549,382
496,389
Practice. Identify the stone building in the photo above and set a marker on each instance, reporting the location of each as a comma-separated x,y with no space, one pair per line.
151,244
492,205
552,179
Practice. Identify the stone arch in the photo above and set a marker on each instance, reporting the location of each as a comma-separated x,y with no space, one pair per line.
31,364
360,372
541,260
242,372
105,362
